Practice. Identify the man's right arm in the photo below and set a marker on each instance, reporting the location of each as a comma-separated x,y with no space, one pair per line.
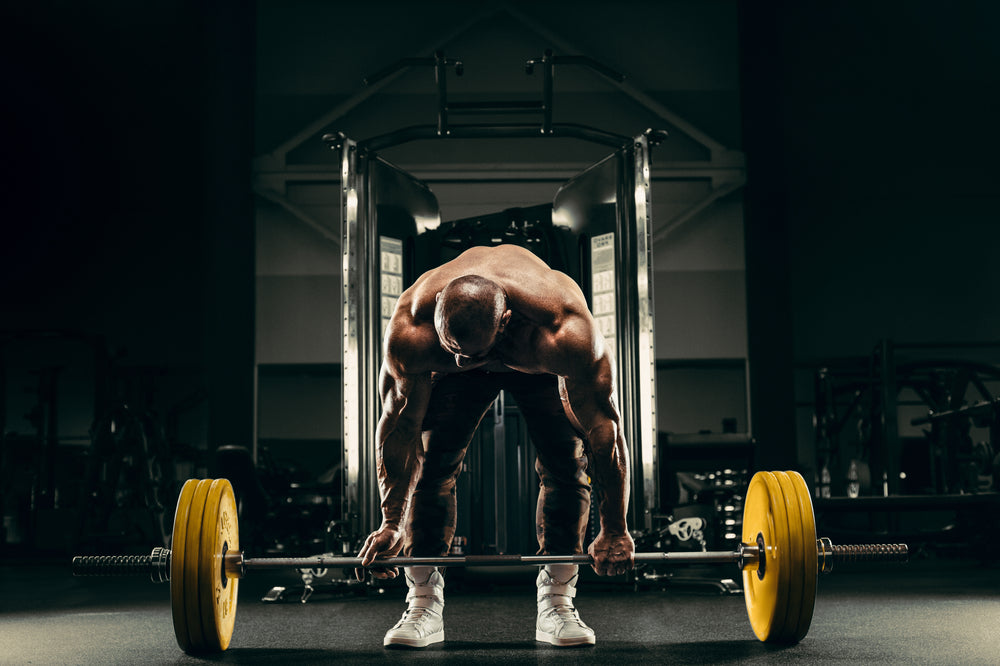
398,446
398,457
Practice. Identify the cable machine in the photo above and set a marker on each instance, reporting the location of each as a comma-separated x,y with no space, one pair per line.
596,229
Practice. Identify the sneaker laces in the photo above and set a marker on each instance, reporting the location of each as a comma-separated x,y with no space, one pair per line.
414,616
564,613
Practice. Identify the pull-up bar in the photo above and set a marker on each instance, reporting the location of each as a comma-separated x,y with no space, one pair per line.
444,129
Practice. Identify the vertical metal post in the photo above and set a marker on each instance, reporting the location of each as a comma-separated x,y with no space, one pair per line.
500,473
372,355
635,358
440,77
891,449
359,410
547,92
254,431
625,321
645,352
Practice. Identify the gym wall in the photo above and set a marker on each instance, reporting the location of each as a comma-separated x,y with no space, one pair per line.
883,159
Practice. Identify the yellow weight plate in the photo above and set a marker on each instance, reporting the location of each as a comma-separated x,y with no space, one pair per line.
766,590
177,543
780,552
796,553
810,558
192,584
217,592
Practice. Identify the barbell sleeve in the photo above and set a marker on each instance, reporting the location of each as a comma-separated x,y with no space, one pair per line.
830,554
156,565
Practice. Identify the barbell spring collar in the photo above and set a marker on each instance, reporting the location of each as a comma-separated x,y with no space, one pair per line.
156,565
830,554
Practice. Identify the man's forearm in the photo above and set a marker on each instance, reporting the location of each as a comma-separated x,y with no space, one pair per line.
398,467
609,463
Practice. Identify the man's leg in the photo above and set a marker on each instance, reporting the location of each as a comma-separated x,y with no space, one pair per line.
458,403
563,508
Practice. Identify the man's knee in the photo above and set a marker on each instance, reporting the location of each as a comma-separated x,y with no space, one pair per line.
567,471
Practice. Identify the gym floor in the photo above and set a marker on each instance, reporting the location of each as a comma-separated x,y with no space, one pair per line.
929,611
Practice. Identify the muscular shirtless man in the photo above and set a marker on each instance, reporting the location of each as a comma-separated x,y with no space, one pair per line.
497,318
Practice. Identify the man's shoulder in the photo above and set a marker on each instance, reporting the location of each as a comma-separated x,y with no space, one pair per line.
410,345
569,346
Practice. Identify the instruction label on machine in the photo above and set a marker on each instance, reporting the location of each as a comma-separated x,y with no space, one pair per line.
602,290
391,276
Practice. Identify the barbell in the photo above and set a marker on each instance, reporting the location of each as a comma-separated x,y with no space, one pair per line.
780,558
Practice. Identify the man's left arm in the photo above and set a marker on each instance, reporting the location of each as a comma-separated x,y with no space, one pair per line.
588,392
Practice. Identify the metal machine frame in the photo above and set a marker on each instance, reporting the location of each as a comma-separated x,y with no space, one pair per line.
363,317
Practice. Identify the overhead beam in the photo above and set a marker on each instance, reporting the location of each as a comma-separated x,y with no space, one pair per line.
720,171
298,213
679,221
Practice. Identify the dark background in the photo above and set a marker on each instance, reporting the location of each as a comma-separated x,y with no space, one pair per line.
127,210
871,203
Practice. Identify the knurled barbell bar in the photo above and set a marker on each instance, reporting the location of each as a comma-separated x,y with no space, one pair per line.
780,558
236,565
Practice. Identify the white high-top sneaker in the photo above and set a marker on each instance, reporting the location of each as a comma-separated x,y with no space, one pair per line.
558,622
421,624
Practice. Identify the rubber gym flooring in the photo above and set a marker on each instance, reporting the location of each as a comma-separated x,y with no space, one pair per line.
929,611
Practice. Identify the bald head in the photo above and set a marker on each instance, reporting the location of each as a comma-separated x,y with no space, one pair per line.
469,313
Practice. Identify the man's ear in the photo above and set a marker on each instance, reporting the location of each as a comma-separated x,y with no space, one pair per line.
437,297
504,318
